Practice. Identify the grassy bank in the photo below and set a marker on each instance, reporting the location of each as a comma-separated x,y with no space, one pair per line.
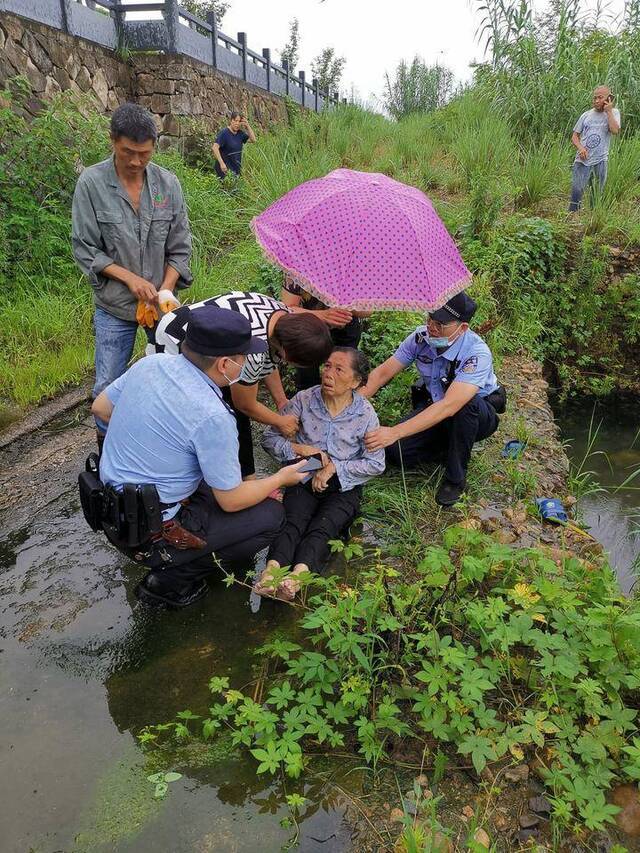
544,279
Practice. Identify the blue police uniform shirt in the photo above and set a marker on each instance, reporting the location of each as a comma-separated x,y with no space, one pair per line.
470,356
169,427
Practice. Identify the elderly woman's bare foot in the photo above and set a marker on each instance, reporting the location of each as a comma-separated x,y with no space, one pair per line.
266,585
290,586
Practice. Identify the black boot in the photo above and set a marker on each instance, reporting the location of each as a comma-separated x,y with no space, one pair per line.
152,591
450,493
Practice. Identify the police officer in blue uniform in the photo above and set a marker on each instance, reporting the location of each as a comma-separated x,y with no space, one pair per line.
170,491
455,404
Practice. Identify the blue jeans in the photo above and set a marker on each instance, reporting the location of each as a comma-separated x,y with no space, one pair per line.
114,347
584,176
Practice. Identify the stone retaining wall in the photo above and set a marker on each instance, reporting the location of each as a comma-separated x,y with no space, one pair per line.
169,86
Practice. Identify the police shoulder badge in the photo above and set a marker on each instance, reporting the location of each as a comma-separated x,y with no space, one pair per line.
470,365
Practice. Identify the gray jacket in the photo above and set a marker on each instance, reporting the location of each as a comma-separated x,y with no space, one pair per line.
106,230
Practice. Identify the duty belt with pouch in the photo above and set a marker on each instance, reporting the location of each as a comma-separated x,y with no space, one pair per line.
498,399
421,396
91,493
131,518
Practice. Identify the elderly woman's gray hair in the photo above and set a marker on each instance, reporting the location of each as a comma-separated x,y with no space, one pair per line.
359,363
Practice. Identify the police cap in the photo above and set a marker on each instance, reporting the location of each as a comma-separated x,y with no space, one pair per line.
461,307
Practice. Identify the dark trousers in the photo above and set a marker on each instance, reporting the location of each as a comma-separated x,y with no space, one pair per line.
453,437
311,521
234,537
245,439
349,336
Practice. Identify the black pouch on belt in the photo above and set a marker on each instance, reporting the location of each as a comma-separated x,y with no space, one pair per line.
151,511
130,507
420,396
498,399
91,493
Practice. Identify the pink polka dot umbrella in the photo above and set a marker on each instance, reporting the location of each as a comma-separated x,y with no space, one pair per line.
363,241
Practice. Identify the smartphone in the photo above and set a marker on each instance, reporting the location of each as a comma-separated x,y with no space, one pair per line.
313,464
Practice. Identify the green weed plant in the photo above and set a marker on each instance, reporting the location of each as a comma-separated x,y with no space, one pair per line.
488,653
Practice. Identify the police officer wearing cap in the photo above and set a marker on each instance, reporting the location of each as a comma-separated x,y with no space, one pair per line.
169,428
457,401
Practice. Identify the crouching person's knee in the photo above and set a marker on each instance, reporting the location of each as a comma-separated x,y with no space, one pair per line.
273,517
469,411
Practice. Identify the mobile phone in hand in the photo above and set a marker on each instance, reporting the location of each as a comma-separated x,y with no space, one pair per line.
312,464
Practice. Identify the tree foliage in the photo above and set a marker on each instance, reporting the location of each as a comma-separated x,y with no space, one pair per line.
202,7
417,88
327,69
291,51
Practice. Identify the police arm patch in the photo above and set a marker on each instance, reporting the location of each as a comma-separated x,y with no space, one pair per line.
470,365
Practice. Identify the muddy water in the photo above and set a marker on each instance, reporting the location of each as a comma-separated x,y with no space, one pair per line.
613,515
83,666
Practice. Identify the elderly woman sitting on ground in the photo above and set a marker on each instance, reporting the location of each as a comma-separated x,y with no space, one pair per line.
334,419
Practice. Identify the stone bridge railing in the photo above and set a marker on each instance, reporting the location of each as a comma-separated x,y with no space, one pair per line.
165,27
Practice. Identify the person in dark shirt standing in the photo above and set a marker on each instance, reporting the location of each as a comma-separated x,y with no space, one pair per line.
227,149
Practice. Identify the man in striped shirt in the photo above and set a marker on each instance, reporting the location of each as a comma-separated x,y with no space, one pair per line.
296,337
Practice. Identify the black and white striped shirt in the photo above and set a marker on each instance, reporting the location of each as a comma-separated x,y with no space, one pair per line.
256,307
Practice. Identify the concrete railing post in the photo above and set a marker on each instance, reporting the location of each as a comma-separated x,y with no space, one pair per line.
65,13
303,85
285,65
266,52
212,21
172,22
242,38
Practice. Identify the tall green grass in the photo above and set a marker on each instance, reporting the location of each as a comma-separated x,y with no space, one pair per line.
543,68
478,168
543,173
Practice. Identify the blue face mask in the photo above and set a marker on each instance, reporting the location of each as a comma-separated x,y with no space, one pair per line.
438,343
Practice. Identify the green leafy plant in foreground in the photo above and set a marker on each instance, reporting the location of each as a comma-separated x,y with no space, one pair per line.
494,653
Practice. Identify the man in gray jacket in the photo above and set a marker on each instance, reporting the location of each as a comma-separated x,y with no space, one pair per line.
130,238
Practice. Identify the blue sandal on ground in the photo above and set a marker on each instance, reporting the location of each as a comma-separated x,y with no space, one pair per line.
551,509
513,449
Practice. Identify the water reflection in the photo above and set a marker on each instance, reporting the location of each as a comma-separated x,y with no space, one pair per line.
85,667
613,516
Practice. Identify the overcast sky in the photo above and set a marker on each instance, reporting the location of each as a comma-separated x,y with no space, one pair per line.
373,35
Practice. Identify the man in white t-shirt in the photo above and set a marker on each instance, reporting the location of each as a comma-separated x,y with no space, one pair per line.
592,137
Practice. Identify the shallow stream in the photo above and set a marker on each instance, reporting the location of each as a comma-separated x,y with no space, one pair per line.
84,666
604,438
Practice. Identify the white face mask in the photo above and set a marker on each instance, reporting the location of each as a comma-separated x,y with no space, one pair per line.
233,381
